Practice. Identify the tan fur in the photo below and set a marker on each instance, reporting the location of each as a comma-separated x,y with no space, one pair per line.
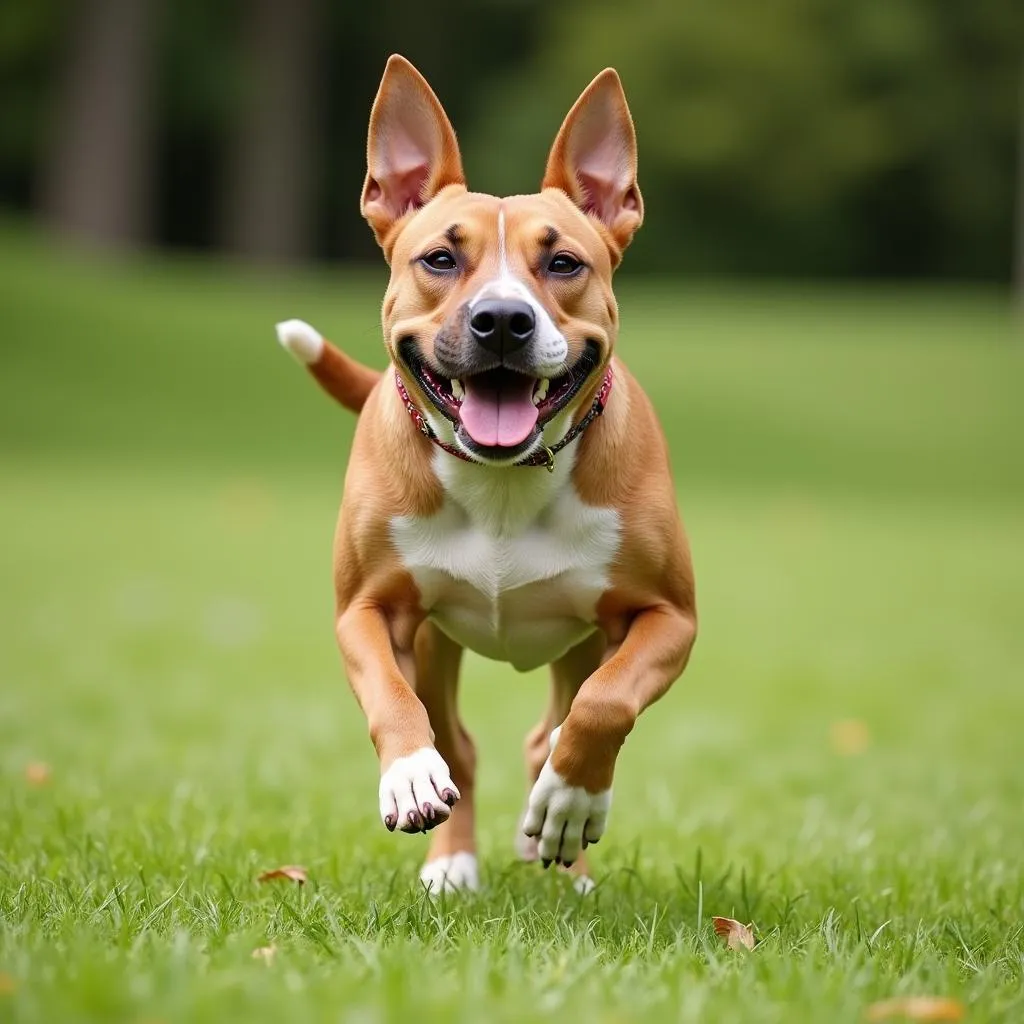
437,679
402,669
393,175
345,380
600,118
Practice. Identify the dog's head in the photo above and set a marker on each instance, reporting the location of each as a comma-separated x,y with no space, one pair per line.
500,312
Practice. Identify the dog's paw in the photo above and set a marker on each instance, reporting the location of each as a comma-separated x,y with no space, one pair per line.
526,846
584,885
304,342
417,792
451,873
564,819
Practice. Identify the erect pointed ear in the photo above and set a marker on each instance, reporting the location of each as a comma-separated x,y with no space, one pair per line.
411,153
593,159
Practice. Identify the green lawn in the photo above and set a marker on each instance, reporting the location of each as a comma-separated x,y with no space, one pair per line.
850,468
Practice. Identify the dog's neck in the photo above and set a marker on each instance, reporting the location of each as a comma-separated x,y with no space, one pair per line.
503,501
507,501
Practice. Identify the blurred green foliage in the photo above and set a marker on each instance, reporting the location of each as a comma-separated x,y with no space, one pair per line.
800,137
846,390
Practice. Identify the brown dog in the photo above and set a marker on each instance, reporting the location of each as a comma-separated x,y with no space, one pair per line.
488,503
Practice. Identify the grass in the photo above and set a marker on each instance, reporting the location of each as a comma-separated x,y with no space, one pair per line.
849,468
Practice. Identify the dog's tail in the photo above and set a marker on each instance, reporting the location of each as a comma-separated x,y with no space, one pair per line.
345,380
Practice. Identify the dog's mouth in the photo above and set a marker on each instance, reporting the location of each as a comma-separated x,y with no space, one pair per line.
499,411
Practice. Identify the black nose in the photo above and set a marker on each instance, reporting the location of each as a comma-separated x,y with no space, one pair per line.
502,325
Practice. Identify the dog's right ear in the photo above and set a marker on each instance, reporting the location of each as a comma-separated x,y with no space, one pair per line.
411,153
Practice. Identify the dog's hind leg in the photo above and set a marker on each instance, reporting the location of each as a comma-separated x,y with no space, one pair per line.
567,676
451,858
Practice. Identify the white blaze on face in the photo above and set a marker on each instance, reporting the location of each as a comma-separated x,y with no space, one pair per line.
499,411
549,348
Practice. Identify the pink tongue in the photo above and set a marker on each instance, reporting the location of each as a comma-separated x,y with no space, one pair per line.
498,408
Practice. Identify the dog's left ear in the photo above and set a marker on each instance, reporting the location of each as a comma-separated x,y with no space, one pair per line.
593,159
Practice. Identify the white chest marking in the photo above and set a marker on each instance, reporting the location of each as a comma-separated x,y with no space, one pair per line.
513,564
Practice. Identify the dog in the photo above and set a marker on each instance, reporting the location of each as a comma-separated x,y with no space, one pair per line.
509,488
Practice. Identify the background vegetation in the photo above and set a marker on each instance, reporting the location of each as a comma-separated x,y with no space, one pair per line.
840,763
800,137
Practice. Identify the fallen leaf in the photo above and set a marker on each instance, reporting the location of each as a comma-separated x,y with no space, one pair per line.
265,953
291,871
849,737
7,984
733,933
926,1008
37,773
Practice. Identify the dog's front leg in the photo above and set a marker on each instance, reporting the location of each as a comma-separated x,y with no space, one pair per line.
416,789
569,804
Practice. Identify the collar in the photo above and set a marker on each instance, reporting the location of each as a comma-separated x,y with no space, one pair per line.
544,456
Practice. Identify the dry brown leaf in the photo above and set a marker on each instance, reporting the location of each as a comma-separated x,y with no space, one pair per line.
926,1008
37,773
734,934
849,737
7,984
265,953
290,871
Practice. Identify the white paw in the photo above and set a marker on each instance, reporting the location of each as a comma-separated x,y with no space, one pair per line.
457,873
584,885
417,792
304,342
564,818
526,846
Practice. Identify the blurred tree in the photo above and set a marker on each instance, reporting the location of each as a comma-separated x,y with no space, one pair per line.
201,90
801,137
29,42
459,49
798,137
1019,240
98,177
268,202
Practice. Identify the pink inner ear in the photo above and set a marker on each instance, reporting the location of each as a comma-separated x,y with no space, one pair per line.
404,174
407,189
401,191
603,166
604,198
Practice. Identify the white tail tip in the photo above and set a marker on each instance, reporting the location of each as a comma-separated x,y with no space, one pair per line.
304,342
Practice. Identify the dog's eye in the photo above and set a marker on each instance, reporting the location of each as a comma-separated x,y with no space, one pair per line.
439,260
564,264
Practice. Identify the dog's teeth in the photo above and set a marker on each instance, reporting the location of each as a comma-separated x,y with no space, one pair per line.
457,390
541,392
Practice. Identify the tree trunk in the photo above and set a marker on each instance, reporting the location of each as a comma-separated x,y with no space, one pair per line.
1018,277
269,196
98,182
